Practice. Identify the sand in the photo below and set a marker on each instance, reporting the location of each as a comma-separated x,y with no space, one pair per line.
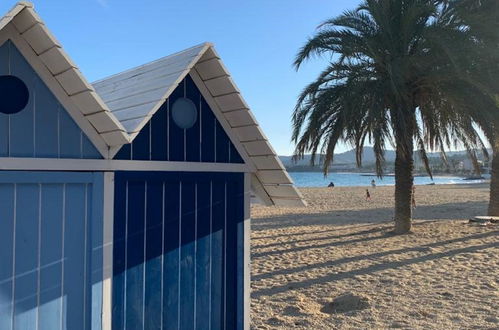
335,264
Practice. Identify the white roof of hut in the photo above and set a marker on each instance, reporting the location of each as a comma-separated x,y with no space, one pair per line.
112,111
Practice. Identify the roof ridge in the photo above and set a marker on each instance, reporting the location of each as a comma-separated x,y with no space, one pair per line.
203,44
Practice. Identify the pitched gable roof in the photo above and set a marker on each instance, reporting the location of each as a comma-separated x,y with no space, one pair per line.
30,35
113,110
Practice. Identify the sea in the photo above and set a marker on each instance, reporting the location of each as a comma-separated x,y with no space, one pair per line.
317,179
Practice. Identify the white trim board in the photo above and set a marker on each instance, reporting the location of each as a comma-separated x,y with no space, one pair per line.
54,164
107,250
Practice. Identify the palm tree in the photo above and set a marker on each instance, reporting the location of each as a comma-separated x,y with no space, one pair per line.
399,73
481,17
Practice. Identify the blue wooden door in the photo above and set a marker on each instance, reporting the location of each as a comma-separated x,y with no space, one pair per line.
175,250
50,236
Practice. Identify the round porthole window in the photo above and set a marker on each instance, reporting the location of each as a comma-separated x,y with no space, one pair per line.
14,95
184,113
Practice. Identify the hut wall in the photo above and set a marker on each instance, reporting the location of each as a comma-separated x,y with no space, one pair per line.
50,250
177,253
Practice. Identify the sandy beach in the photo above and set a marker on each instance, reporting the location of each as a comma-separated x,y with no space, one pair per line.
445,275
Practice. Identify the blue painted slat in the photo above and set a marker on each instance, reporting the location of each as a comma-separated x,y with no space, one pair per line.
88,149
222,145
119,254
70,137
235,157
52,197
159,134
75,233
175,133
203,269
171,256
26,263
217,256
192,141
141,149
22,123
46,121
4,119
134,283
234,215
187,255
208,122
125,152
6,253
154,252
96,228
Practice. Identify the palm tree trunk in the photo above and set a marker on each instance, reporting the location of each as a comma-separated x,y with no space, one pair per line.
494,181
404,181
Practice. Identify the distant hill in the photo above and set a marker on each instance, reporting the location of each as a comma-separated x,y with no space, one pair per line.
348,158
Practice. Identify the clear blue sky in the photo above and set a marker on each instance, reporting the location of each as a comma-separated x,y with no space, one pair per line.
256,39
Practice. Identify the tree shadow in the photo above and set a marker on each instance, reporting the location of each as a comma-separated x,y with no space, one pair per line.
373,268
359,233
448,211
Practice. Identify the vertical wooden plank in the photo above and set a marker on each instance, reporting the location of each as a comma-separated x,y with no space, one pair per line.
234,200
222,145
119,252
171,258
75,234
88,149
154,251
108,244
203,262
175,133
243,257
46,134
187,255
125,152
4,119
6,254
95,251
134,283
26,256
192,144
159,134
217,256
69,136
22,123
207,133
141,144
51,256
235,157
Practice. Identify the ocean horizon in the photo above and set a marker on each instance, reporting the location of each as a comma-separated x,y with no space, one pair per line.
345,179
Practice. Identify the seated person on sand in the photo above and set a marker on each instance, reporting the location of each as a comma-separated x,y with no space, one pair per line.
331,184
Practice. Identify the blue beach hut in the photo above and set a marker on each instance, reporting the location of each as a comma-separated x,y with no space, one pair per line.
124,204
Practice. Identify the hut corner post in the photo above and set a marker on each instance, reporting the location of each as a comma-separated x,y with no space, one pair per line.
244,261
108,212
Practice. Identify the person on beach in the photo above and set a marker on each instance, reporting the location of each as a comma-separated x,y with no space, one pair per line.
331,184
368,195
413,197
373,183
